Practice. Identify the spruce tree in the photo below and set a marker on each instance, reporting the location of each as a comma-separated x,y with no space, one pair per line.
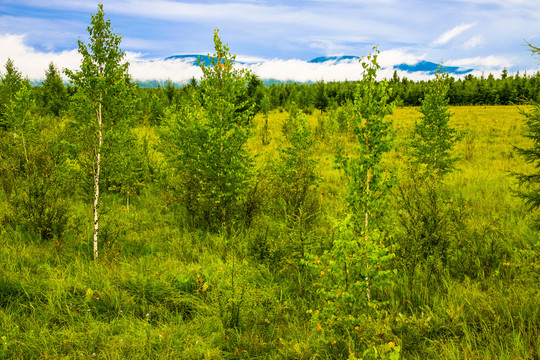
54,94
530,182
11,82
426,213
433,138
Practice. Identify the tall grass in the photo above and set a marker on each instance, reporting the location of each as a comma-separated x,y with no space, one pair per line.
162,290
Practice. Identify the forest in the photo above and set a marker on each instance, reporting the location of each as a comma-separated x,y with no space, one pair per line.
225,219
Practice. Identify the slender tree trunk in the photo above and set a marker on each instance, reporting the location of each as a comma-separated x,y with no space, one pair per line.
366,224
96,181
25,152
368,180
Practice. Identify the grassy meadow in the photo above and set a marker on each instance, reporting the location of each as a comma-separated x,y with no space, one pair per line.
161,290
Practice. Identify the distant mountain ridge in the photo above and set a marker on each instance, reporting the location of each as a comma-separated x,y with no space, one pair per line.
194,59
337,59
421,66
431,68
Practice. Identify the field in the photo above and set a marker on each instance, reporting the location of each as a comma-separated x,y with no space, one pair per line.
163,290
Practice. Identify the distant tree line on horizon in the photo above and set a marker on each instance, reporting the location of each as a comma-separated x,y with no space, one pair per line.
53,95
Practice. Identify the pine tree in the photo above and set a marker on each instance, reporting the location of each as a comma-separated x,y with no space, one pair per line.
102,101
426,213
10,84
54,92
321,98
433,138
530,183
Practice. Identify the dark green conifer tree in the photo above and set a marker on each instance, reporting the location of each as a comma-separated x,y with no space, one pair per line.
529,183
11,82
433,138
54,94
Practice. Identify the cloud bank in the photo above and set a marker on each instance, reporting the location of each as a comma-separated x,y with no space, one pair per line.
33,64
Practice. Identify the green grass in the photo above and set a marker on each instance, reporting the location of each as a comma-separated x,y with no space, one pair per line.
161,290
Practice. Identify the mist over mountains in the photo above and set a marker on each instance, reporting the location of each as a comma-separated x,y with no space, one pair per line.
327,68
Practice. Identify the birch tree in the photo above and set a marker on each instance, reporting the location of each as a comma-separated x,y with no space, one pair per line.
353,273
103,96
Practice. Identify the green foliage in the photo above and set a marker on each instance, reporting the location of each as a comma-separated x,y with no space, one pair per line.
342,117
40,206
30,174
433,139
157,110
265,108
321,99
530,191
18,113
170,91
431,222
353,282
19,125
102,110
256,93
182,279
430,219
53,92
531,181
369,181
11,83
354,277
467,286
207,145
103,74
296,170
297,193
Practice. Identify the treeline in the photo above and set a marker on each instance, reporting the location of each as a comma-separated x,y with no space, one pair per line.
54,96
467,91
327,96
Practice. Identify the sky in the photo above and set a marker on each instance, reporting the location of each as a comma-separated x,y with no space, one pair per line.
278,38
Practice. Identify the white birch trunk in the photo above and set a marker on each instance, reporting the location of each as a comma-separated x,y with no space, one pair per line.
368,291
96,182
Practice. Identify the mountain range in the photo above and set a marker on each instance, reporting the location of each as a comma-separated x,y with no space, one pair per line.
422,66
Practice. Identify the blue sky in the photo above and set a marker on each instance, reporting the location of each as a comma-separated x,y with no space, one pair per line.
485,35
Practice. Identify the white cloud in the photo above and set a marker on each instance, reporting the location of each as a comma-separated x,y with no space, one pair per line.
482,62
452,33
174,70
31,62
389,58
252,12
303,71
473,42
273,17
249,59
